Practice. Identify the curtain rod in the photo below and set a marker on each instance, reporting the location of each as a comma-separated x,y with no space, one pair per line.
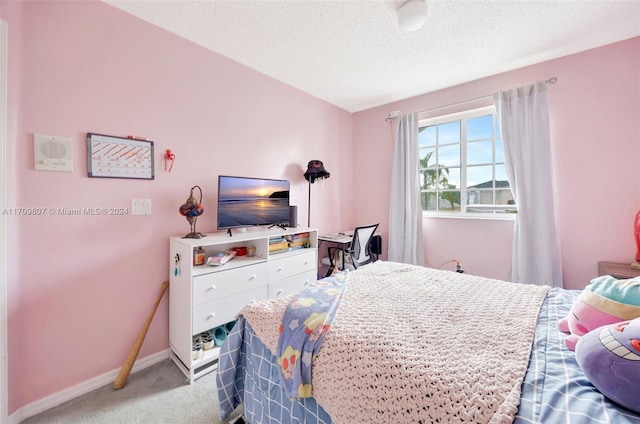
393,115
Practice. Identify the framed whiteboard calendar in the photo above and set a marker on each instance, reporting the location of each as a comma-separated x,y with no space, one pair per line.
119,157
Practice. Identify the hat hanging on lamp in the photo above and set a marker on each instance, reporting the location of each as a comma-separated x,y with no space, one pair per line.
315,171
192,209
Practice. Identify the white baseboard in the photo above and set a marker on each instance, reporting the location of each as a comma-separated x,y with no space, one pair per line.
85,387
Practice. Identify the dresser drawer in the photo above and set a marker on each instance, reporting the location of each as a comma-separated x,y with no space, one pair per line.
291,265
217,285
286,286
212,314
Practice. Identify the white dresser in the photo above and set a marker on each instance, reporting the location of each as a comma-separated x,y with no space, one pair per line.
202,297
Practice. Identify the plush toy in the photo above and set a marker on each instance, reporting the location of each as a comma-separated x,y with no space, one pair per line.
610,358
606,300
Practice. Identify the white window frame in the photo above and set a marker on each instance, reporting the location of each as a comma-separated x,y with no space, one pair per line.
464,213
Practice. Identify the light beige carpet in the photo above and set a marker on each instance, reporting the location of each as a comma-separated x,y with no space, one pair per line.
159,394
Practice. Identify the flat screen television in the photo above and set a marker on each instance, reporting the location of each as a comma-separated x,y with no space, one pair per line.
249,202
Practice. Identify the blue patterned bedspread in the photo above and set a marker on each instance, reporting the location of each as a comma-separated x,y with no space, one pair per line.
554,389
304,324
248,373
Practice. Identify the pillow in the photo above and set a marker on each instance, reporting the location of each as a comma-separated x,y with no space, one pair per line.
606,300
610,358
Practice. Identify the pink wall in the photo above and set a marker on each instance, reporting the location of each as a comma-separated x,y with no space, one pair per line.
595,128
80,287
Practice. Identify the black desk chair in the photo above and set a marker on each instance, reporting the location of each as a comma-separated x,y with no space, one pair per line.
359,252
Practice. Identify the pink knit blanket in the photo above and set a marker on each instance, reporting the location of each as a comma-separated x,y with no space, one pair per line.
414,344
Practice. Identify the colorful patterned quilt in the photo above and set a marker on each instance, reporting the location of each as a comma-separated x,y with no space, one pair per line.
304,325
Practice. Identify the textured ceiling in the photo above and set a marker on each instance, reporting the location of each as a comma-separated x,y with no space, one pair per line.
352,54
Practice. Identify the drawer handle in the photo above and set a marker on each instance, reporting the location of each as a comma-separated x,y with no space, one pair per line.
279,269
306,262
279,292
211,315
253,277
211,287
306,283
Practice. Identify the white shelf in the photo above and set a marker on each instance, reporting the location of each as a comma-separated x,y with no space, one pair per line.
208,356
209,359
203,297
236,262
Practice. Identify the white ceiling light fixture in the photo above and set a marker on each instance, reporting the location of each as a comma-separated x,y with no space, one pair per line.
412,15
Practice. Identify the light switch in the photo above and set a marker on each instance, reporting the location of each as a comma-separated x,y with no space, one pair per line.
140,206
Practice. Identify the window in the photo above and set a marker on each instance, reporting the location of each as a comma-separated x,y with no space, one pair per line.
462,166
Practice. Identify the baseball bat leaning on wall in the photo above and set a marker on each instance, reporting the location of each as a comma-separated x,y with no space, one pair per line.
121,381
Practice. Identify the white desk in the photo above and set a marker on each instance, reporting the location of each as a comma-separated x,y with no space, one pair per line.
342,238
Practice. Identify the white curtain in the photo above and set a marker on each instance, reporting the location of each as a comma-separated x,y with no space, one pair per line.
406,242
524,122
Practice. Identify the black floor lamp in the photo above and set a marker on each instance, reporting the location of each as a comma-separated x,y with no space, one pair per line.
315,171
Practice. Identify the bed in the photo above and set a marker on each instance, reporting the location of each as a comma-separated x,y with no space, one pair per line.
419,345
